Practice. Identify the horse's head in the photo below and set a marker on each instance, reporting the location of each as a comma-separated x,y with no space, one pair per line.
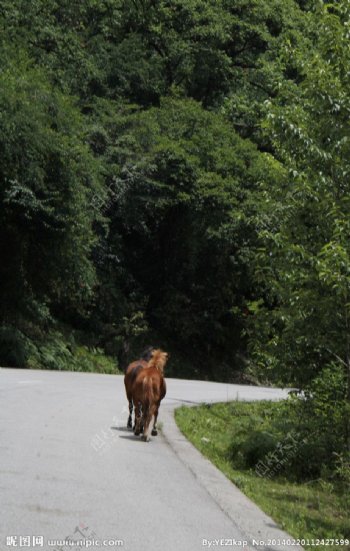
147,353
158,360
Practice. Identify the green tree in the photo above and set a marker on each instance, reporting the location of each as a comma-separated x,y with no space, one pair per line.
180,211
47,178
304,262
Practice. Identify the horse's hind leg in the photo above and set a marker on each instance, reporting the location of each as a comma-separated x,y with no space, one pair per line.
137,428
142,424
154,429
146,423
129,423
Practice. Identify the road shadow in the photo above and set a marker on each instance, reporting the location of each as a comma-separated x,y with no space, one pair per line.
121,429
131,437
129,434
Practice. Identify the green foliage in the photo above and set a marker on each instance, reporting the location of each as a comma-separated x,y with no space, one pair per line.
254,448
180,216
141,193
305,438
58,353
15,347
53,350
46,175
302,262
322,422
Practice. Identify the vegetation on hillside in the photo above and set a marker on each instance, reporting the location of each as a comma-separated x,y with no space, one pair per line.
177,173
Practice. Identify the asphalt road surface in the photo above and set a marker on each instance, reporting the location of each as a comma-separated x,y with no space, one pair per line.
69,467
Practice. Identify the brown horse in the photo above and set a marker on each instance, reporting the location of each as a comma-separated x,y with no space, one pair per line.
148,390
130,376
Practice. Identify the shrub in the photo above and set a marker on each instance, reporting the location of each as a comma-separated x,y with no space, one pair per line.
306,437
322,423
15,347
257,446
56,351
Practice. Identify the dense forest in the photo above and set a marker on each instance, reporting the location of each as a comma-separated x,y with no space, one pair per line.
176,172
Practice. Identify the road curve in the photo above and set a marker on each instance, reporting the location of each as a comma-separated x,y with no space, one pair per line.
69,468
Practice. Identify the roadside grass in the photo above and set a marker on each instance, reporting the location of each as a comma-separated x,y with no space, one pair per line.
314,510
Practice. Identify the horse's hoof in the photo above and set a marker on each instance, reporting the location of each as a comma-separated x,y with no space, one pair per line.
137,433
145,438
154,432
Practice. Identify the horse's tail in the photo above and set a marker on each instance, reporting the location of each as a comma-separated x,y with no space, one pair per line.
147,391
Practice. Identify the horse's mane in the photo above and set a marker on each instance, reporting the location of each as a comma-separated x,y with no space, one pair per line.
158,360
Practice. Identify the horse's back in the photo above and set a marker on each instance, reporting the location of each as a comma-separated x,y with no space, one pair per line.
134,365
131,374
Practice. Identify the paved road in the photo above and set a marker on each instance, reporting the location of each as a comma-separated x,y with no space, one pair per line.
68,465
